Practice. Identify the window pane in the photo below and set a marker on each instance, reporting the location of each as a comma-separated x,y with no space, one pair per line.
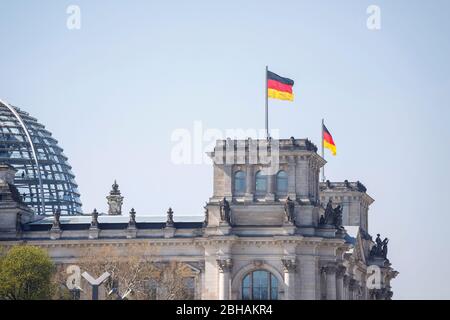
246,294
282,182
239,182
246,282
260,285
260,182
274,287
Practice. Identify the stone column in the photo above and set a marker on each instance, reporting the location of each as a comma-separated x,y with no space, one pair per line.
291,178
289,265
353,284
227,181
224,266
340,283
309,275
270,186
346,281
331,281
249,183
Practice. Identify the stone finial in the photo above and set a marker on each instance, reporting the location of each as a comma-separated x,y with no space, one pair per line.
94,222
169,222
115,189
56,219
132,222
115,200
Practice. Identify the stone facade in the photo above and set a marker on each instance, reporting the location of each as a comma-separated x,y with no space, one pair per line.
262,222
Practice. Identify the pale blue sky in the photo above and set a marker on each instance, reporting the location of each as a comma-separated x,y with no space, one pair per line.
113,92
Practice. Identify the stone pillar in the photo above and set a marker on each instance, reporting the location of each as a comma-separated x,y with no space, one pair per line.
309,275
340,295
291,178
289,265
353,284
224,266
331,281
270,186
228,181
249,183
346,282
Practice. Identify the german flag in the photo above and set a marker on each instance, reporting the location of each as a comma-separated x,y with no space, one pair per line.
328,140
279,87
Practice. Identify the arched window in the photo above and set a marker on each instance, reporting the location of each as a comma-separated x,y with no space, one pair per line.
282,182
260,182
260,285
239,182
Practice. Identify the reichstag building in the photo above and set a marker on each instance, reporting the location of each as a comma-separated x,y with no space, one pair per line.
263,234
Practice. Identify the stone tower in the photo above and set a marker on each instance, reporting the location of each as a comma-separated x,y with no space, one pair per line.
260,179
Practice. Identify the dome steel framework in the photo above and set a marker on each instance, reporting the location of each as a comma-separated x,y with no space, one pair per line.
44,178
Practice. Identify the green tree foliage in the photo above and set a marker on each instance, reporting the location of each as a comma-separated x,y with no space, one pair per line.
26,274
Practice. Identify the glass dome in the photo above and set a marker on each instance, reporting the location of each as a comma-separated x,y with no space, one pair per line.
44,178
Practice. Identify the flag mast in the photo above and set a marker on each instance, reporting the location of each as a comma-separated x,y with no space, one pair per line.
267,106
323,154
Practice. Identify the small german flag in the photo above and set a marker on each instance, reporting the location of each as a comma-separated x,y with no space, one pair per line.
279,87
328,140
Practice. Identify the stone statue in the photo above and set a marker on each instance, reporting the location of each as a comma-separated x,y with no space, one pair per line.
19,222
384,250
338,217
205,221
329,213
379,249
225,211
322,220
289,210
379,246
56,217
293,141
94,222
332,216
169,222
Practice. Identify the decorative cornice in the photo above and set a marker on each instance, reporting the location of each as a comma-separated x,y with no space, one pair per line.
194,241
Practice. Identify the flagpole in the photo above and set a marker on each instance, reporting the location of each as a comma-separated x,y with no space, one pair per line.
267,106
323,155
